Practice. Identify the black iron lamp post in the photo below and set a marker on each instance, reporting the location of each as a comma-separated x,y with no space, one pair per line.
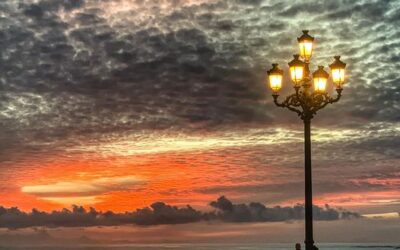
306,101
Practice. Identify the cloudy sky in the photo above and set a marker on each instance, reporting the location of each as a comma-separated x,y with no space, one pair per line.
118,104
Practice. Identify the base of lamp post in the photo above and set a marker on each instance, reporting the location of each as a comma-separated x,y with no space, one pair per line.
309,245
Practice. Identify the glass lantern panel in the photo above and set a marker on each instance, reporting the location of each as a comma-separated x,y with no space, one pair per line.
306,49
275,82
338,77
296,74
320,84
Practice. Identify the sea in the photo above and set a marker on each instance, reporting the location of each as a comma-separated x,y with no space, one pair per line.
322,246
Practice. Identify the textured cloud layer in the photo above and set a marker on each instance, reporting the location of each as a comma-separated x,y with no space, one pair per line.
74,68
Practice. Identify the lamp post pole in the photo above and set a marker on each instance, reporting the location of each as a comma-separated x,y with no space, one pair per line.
308,184
306,102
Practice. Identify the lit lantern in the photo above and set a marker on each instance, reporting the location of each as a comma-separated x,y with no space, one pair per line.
337,69
275,78
297,68
320,77
306,43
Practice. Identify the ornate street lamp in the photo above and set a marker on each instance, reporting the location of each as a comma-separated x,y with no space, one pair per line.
306,101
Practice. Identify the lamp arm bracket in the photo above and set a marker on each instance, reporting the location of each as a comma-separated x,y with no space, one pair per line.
321,100
291,102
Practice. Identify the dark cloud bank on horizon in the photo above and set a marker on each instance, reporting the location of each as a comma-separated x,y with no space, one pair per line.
160,213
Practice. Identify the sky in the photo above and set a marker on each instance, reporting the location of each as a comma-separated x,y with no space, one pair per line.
121,104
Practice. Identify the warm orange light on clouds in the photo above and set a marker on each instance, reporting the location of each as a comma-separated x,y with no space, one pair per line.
163,177
81,191
255,165
369,198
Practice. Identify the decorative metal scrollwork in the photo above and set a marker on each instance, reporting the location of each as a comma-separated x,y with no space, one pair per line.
306,105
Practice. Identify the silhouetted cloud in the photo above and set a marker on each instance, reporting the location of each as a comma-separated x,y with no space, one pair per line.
257,212
161,213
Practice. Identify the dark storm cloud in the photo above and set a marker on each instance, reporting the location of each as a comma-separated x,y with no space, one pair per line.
68,70
161,213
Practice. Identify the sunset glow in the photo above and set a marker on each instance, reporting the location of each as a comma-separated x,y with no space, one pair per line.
188,169
155,119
